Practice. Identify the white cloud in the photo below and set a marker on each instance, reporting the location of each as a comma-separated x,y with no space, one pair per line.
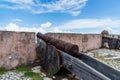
43,28
57,30
91,26
17,20
75,13
14,27
35,6
20,1
109,29
89,23
46,25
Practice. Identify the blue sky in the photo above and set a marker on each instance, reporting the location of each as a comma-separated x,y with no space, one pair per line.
73,16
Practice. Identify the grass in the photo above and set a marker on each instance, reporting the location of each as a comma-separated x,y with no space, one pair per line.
23,68
2,70
34,76
28,72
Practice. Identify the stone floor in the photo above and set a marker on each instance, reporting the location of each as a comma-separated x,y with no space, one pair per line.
108,56
13,75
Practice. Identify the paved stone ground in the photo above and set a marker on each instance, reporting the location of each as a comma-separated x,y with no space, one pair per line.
12,75
108,56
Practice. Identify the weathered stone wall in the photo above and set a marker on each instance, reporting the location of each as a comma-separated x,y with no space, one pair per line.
16,48
72,38
111,41
85,42
92,41
112,36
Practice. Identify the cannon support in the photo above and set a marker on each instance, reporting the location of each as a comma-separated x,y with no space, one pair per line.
49,57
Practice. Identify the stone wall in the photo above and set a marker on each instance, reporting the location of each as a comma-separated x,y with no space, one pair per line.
94,41
16,48
85,42
111,41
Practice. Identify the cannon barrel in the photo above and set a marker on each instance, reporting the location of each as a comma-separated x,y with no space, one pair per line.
69,48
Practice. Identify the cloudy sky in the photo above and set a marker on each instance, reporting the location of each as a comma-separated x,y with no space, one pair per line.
73,16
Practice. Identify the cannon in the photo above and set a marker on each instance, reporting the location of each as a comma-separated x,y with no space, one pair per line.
55,54
69,48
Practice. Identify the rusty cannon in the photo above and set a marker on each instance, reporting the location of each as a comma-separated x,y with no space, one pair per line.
69,48
54,54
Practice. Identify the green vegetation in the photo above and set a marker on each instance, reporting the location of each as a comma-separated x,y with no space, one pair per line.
28,72
23,68
49,74
2,70
34,76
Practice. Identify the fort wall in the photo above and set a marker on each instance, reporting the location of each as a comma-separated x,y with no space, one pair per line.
16,48
85,42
